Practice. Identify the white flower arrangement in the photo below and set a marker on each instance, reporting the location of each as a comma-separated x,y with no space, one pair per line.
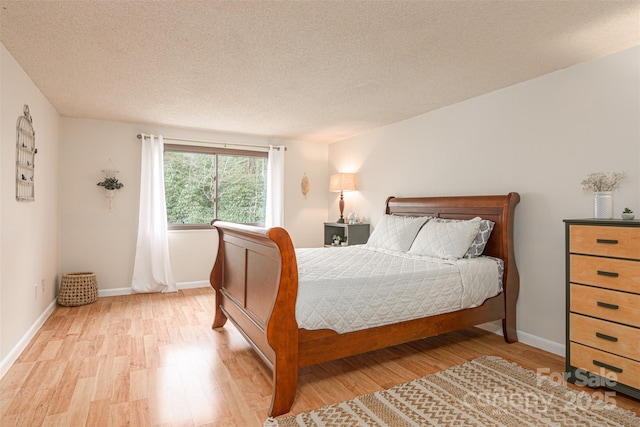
603,181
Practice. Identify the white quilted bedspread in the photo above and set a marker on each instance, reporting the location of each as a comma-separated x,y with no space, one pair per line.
359,287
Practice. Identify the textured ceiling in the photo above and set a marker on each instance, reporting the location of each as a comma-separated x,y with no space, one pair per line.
308,70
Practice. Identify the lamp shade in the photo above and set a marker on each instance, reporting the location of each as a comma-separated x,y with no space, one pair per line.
342,182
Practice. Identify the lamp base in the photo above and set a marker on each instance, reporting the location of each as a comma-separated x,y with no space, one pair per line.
341,204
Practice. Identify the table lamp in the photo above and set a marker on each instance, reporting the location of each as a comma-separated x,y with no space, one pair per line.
342,182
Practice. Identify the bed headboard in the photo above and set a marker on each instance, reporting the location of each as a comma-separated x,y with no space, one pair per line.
499,209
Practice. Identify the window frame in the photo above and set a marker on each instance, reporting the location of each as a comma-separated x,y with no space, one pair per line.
211,150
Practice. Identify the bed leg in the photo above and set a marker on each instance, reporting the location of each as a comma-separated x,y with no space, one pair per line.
509,329
215,279
219,319
285,384
512,289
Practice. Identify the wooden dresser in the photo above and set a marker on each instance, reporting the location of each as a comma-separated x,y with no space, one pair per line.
603,304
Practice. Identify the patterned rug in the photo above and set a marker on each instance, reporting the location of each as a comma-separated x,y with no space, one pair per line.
487,391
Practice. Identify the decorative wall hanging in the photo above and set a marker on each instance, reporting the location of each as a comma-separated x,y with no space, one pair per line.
110,183
25,157
305,185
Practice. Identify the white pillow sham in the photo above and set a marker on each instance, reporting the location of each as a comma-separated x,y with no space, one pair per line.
447,240
395,232
482,238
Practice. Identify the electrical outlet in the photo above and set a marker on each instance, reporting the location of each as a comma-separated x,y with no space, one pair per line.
35,288
43,284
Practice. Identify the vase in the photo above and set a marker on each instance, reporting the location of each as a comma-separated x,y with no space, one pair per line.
602,205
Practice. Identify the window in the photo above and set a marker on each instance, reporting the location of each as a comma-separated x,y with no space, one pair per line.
204,183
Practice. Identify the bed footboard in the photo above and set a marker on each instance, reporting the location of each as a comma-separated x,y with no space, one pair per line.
255,277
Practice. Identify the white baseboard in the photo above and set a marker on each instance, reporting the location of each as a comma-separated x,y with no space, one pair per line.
113,292
127,291
529,339
542,343
13,355
194,285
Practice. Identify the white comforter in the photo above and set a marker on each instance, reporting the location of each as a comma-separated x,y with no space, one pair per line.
359,287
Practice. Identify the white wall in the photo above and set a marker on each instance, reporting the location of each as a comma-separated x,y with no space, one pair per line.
539,138
104,242
29,230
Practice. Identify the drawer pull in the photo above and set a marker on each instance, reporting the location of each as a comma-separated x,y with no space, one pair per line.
606,337
607,241
607,305
607,273
606,366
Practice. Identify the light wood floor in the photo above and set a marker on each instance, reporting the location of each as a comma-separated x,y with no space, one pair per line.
153,360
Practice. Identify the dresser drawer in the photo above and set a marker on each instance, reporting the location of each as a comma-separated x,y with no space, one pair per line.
610,273
606,336
624,370
617,306
621,242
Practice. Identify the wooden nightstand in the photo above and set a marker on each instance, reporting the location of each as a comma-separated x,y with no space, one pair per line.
603,304
356,234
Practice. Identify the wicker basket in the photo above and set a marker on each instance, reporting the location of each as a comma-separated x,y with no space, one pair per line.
78,289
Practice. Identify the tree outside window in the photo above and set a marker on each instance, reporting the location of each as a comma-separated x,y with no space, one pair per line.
204,183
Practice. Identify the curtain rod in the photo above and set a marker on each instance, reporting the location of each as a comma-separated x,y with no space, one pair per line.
222,144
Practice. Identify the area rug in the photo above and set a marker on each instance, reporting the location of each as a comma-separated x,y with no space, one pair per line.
488,391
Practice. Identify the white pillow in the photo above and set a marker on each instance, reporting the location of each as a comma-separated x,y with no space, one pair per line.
395,232
482,238
447,240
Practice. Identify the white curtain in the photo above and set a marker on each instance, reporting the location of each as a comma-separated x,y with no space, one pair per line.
275,187
152,268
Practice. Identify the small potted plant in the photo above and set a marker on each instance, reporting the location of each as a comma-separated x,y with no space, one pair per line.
111,183
627,214
337,239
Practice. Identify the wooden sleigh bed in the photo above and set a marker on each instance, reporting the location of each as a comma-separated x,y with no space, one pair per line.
255,277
